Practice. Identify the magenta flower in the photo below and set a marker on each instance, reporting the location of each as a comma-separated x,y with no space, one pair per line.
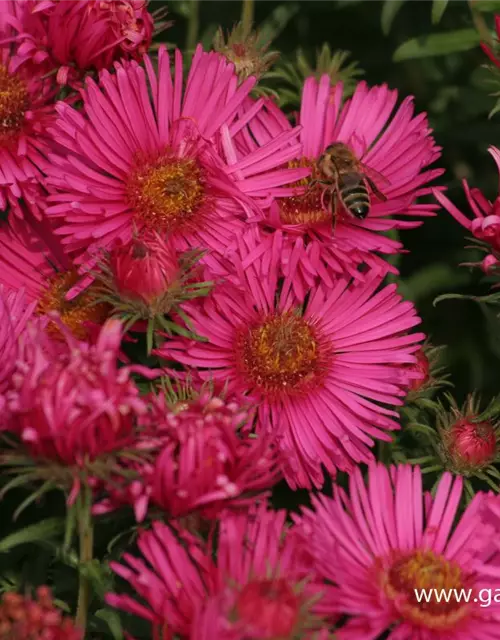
378,545
69,402
485,225
395,146
207,462
326,370
80,36
156,165
26,113
258,587
32,258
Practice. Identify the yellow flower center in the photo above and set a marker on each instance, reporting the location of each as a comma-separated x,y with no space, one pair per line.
426,570
166,194
74,313
306,208
280,355
14,102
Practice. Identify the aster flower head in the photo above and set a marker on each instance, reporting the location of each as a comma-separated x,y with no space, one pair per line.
71,409
394,147
485,225
25,618
169,174
386,539
26,113
260,590
32,258
206,459
80,36
326,369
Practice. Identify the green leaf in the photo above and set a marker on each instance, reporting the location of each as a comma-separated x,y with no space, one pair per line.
487,6
437,44
44,529
389,12
438,8
432,279
112,619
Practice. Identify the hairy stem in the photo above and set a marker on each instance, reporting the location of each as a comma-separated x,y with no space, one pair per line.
86,536
193,25
247,16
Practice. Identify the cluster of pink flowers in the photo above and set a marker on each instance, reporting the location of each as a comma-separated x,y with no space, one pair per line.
145,208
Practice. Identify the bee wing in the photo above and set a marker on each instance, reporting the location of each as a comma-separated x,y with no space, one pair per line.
372,177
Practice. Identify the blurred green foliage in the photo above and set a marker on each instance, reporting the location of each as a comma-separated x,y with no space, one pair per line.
429,50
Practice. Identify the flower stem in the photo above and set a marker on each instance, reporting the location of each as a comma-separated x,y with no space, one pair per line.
86,535
480,24
193,25
247,16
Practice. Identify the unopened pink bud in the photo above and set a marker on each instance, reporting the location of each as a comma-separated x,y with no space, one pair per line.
144,269
472,443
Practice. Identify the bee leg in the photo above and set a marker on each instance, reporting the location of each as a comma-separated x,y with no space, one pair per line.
313,183
334,209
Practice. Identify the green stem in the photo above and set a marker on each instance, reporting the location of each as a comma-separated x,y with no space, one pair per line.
193,25
247,16
86,536
481,26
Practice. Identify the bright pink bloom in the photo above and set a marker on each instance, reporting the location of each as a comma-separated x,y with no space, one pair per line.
32,258
395,146
155,165
77,36
326,371
144,268
485,226
26,113
258,568
69,402
208,461
383,541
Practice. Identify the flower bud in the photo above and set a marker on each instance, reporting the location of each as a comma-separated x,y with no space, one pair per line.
422,369
144,269
471,444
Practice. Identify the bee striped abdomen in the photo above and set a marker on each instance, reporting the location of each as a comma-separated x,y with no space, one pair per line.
355,197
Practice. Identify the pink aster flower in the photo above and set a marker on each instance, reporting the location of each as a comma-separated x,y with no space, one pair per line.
134,163
393,144
208,461
26,112
69,402
485,225
327,368
255,588
383,541
78,36
32,258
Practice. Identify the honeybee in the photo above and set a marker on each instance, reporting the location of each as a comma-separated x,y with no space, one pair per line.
347,181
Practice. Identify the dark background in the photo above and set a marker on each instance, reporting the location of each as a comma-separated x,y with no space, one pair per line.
452,89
